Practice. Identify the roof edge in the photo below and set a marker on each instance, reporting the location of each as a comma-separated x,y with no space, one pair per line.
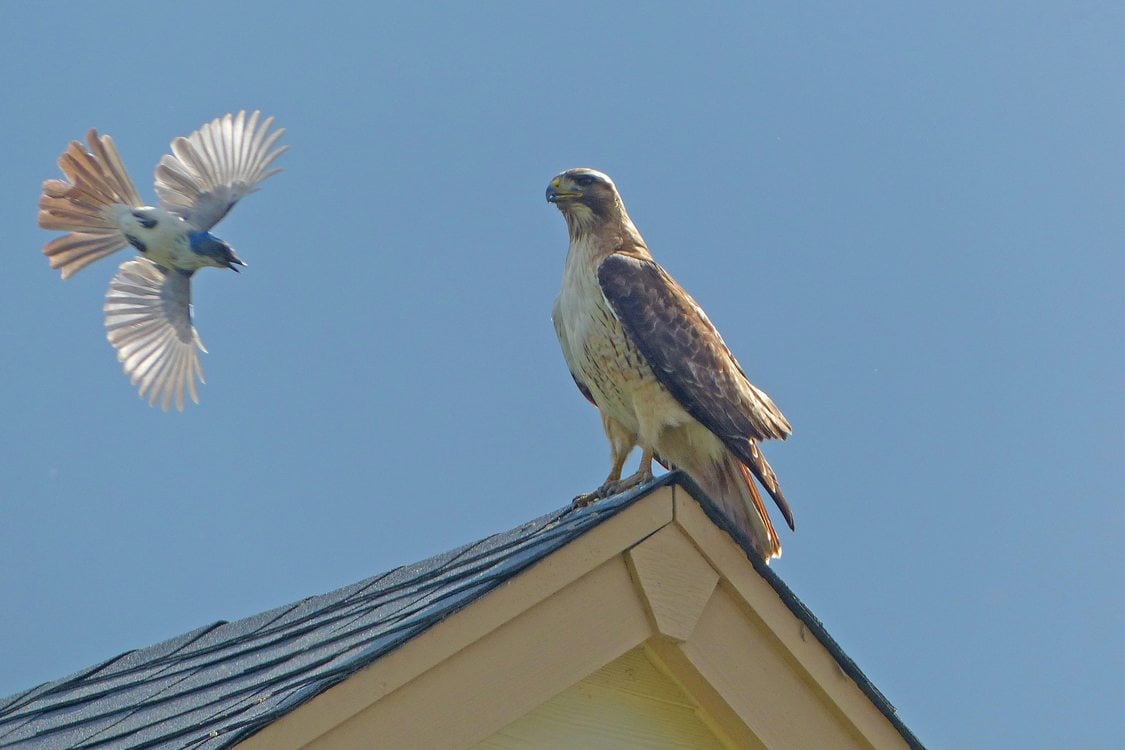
799,609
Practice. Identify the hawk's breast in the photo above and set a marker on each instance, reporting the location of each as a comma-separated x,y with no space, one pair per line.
607,362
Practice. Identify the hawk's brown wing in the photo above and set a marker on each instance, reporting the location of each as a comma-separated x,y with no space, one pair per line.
691,360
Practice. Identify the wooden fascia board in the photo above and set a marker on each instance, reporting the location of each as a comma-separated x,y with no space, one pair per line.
758,600
591,551
738,657
745,663
509,672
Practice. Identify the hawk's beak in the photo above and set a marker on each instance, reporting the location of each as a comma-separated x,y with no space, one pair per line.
554,195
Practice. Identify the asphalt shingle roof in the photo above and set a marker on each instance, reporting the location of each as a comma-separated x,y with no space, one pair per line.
211,687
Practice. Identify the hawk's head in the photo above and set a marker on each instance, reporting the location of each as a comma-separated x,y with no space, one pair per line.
584,196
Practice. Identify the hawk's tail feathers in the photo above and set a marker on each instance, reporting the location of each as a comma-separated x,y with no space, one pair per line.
752,457
729,483
85,203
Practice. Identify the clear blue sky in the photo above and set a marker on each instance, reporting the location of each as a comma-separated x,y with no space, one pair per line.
907,223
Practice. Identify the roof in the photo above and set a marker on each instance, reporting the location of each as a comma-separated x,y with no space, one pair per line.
218,684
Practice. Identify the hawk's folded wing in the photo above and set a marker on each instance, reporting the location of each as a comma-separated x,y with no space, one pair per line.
690,359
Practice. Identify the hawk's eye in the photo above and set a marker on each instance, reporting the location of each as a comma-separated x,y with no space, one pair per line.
585,180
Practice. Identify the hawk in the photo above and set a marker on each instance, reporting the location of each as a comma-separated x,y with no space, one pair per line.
645,354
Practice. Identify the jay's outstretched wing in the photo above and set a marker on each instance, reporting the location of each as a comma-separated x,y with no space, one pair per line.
148,321
216,166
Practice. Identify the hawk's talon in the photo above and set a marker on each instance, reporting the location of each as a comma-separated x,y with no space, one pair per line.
640,477
611,488
587,498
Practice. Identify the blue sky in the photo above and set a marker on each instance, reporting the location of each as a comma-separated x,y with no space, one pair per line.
907,223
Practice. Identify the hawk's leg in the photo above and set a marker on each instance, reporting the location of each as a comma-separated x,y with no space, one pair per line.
614,484
640,476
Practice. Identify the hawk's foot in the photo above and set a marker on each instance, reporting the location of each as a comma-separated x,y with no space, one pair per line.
586,498
639,477
611,488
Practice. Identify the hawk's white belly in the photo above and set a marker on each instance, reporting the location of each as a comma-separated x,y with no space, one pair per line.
601,355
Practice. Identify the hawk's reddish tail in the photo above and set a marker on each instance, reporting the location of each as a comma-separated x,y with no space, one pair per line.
729,483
